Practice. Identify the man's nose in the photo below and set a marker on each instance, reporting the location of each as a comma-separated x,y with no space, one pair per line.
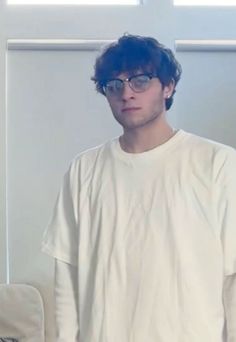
127,91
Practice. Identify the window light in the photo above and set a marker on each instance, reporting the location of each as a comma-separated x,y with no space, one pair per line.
205,2
73,2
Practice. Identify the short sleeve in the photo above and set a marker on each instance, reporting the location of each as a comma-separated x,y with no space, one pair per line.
60,239
227,210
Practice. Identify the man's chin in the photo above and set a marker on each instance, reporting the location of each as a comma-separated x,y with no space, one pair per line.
130,124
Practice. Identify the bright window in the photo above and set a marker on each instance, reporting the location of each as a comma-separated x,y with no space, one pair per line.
73,2
205,2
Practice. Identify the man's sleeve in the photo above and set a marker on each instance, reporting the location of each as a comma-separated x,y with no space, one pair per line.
60,239
227,219
229,298
66,302
226,208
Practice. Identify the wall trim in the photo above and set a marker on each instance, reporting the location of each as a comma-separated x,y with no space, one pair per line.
205,45
56,44
184,45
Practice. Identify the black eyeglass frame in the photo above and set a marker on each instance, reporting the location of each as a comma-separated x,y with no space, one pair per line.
129,79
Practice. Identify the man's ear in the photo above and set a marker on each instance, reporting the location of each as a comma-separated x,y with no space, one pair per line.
169,89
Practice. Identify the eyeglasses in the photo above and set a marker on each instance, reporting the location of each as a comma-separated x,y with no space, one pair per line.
138,83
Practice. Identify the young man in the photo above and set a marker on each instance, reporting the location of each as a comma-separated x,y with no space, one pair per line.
144,229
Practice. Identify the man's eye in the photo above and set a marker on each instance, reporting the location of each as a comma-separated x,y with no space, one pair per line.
141,80
111,87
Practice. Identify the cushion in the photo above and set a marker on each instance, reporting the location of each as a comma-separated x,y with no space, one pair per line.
21,314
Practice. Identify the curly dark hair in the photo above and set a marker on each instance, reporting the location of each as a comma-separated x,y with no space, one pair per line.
132,53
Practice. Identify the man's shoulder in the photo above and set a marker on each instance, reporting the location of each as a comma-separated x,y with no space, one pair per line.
211,153
91,155
207,144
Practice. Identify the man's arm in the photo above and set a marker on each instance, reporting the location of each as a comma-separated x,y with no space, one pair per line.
230,307
66,302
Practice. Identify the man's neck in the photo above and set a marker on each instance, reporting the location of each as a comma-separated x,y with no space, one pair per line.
141,140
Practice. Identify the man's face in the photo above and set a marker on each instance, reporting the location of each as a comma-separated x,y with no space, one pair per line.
137,109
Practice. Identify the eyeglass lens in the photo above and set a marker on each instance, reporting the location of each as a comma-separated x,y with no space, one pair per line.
138,83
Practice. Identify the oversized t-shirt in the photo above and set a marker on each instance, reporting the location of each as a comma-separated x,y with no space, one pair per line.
153,235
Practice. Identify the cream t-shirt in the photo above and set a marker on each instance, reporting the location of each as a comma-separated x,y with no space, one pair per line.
153,235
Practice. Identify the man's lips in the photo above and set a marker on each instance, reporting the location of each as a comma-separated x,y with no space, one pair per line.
129,109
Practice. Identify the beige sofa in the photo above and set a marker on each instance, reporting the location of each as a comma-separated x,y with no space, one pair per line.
21,313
